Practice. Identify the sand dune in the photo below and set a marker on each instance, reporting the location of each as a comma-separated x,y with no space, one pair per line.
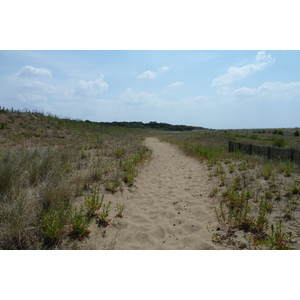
168,208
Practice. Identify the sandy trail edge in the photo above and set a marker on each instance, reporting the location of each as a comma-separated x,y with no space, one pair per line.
168,208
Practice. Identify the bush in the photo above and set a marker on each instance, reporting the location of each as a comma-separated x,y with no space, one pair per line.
296,133
279,143
79,224
53,224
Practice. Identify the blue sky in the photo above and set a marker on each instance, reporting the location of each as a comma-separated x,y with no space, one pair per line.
213,89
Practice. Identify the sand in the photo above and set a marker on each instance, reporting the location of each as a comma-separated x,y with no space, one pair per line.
168,208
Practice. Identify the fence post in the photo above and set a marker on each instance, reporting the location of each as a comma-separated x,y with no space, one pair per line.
292,155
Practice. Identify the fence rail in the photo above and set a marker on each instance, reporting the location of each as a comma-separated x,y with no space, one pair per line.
292,155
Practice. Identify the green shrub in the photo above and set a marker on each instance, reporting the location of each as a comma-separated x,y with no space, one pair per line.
279,143
53,224
79,224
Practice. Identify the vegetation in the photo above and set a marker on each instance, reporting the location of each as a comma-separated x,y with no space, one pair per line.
155,125
54,174
258,199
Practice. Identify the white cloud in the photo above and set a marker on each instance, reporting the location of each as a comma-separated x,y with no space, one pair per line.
237,73
175,84
151,74
148,74
33,72
268,91
84,88
261,56
32,85
163,69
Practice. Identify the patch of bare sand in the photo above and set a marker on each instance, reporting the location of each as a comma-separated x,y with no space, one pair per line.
168,208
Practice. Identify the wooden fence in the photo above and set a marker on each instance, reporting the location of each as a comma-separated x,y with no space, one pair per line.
292,155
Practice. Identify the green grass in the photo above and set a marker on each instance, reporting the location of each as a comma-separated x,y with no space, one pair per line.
257,196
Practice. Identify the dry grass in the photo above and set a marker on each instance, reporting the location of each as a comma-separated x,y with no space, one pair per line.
48,166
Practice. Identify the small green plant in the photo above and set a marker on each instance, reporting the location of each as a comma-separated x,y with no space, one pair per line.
261,222
3,125
287,214
119,152
267,171
129,176
97,174
296,133
231,168
52,225
288,169
266,205
277,239
214,192
237,183
102,217
268,194
79,224
93,203
114,185
120,209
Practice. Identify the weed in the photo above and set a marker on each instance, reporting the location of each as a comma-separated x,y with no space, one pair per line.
119,152
53,223
277,239
120,208
287,214
288,169
237,183
267,171
261,222
79,224
114,185
214,192
93,203
102,216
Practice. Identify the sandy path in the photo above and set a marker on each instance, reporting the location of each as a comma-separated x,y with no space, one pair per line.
169,207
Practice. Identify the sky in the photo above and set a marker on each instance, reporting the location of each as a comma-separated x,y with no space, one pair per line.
214,89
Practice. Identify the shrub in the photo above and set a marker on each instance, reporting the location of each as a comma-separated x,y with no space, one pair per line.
52,224
279,143
79,224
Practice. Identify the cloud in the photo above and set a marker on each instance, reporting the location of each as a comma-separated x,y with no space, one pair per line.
33,72
148,74
93,87
151,74
163,69
268,91
175,84
31,84
237,73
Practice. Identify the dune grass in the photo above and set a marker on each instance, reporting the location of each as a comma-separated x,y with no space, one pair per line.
49,165
257,199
